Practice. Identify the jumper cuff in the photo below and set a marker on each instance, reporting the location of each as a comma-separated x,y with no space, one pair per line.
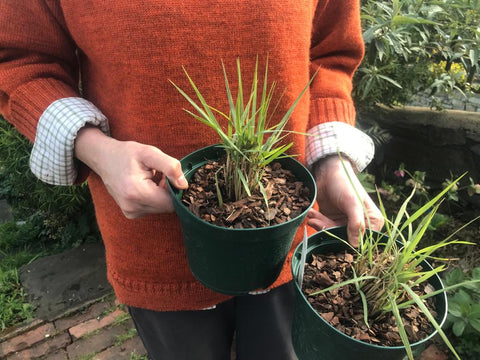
52,158
336,137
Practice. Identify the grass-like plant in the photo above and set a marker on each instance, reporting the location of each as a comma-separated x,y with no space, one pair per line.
250,140
387,267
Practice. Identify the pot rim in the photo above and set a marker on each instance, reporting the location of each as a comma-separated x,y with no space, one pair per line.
174,191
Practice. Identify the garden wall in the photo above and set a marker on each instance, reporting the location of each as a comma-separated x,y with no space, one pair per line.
441,143
452,100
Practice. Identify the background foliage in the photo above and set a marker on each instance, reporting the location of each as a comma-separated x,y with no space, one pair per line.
64,212
417,45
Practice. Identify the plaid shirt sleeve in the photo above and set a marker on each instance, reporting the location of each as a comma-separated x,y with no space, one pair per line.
336,137
52,158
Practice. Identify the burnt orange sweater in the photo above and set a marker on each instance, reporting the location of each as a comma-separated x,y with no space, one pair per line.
126,51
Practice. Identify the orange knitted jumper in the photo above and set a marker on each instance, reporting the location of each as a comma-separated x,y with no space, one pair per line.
126,51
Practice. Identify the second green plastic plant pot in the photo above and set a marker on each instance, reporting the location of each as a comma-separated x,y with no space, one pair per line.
236,261
315,339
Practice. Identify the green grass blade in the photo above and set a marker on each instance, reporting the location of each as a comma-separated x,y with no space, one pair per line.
344,283
244,182
239,103
264,194
461,228
429,204
409,253
383,210
363,297
224,137
194,104
206,107
254,91
231,104
401,328
290,110
402,212
428,314
217,187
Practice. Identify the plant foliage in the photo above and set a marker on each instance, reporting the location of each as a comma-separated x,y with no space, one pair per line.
66,212
464,312
404,38
250,141
387,267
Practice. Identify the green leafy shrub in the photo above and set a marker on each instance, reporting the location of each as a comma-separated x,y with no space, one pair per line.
464,312
404,38
64,213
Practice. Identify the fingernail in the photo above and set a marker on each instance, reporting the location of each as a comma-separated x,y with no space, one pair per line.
182,181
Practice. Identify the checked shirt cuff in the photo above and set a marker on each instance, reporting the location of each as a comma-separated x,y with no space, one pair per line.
336,137
52,158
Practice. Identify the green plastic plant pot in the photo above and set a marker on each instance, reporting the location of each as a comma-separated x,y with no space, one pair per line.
315,339
236,261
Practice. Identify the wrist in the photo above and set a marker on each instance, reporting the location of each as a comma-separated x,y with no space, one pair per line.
333,161
90,144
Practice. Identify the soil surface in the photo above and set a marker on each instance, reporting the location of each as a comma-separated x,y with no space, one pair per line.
343,309
287,198
466,257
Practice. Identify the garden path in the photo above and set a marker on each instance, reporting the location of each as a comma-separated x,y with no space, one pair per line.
76,314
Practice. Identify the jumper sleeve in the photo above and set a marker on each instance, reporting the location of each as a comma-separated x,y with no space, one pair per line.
38,67
38,62
336,51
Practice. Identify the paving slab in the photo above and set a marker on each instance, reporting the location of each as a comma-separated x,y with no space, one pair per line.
56,284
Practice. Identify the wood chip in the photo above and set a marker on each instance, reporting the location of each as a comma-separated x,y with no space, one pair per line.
270,214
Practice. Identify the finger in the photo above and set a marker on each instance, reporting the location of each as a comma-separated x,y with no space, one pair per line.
168,165
356,223
152,199
320,222
376,219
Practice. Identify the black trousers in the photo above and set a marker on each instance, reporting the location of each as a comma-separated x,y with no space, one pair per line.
261,324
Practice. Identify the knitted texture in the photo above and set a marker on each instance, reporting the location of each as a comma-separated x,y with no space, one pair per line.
126,51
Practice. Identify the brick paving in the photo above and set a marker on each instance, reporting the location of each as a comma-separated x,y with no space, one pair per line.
101,330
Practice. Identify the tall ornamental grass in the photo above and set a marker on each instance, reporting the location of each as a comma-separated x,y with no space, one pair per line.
251,141
387,267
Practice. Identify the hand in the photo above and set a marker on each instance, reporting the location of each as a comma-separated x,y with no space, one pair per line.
339,204
133,173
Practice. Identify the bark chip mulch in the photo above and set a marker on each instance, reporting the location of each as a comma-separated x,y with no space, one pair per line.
287,198
343,309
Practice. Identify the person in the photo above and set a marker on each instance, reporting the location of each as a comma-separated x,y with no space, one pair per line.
88,83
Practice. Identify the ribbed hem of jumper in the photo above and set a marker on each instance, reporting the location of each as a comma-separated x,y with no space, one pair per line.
331,109
52,158
30,100
182,296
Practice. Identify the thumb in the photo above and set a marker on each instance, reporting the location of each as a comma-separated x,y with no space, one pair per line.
168,166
